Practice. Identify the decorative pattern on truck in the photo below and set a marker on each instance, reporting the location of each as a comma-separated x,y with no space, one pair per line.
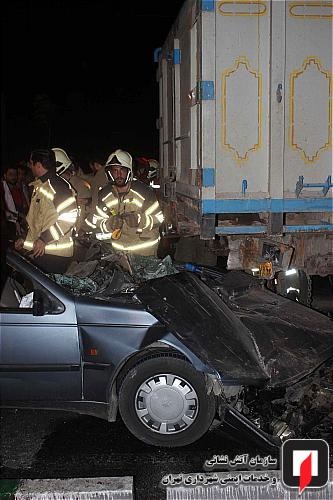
241,109
308,136
242,8
313,10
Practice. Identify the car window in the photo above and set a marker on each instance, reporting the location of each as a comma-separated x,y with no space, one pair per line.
19,291
15,290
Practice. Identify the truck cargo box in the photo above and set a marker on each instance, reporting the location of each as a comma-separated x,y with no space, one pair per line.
246,129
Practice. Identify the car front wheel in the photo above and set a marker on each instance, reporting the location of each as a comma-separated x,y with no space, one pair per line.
164,402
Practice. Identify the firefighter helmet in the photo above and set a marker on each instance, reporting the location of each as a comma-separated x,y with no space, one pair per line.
63,161
122,158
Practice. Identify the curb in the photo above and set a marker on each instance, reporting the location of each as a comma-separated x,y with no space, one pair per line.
201,487
106,488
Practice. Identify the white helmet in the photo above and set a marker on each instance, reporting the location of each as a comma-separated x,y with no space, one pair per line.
119,157
63,162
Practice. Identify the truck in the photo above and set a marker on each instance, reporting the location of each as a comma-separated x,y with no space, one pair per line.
245,130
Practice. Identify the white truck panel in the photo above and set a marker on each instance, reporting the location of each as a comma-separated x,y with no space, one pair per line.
308,93
242,99
207,73
246,124
277,103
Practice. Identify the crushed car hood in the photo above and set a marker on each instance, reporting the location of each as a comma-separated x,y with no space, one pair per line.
205,325
251,338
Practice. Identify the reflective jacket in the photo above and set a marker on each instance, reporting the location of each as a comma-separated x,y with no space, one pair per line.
140,200
52,215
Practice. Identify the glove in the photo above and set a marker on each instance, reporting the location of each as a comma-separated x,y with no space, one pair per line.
132,220
114,222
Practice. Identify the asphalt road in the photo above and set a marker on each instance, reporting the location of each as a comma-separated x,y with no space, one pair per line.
41,444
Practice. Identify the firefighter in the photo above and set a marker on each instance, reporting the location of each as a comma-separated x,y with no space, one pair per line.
51,217
147,171
64,165
98,181
83,192
128,214
142,168
153,175
66,169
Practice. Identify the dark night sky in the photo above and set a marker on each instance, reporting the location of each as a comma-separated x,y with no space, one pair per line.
93,60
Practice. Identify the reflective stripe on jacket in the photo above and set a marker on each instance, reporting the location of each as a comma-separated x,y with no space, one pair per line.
52,215
140,200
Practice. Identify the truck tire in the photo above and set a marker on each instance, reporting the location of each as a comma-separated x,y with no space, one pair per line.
164,402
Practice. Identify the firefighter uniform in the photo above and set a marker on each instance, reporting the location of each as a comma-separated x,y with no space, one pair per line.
82,189
52,215
139,203
97,182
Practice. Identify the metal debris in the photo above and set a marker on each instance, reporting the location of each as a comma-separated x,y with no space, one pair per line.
113,273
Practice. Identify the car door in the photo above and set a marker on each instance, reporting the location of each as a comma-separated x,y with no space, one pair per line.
39,345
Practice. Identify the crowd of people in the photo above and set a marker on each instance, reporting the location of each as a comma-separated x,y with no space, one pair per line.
50,202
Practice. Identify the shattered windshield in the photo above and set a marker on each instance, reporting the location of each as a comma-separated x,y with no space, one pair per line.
107,273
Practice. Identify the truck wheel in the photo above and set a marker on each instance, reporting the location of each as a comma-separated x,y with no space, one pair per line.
296,287
164,402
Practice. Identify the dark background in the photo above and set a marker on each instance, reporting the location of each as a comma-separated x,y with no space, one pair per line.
80,75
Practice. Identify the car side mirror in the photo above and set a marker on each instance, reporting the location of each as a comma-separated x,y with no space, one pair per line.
40,304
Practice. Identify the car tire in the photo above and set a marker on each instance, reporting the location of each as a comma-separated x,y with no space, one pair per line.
164,401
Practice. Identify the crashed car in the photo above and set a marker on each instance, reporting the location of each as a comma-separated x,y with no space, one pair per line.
175,355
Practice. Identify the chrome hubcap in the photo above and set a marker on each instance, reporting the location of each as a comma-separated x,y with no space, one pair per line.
166,404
